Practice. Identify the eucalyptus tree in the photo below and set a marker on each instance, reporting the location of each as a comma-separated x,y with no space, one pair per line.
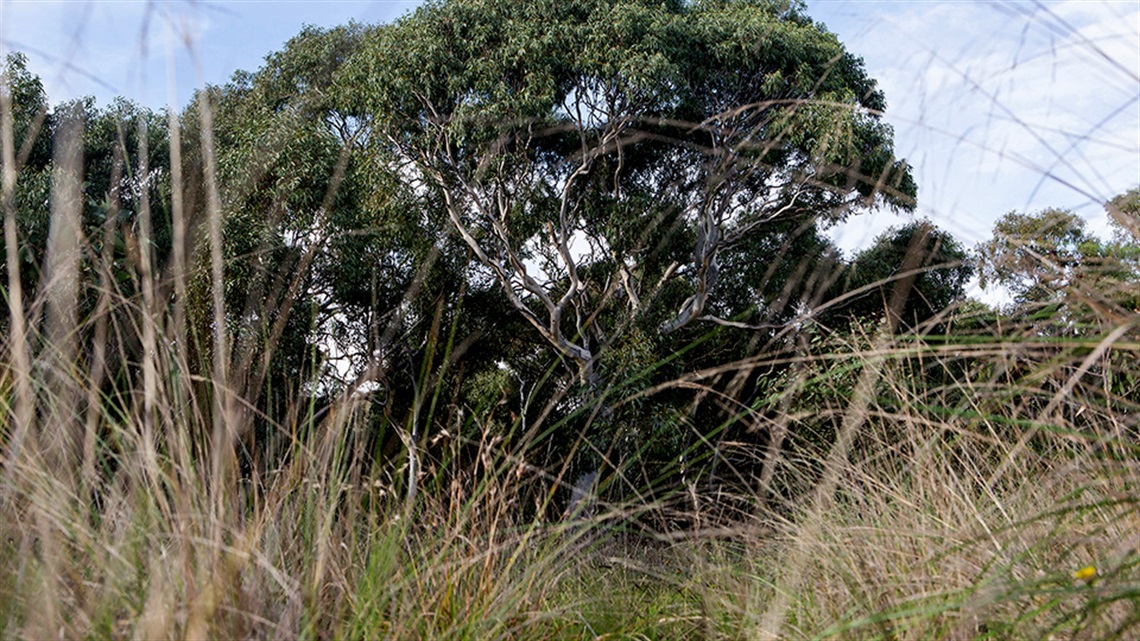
604,161
1071,290
927,266
1050,262
109,192
286,174
27,178
1124,212
601,159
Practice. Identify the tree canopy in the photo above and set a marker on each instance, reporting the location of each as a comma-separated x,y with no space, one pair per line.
602,158
909,275
1048,260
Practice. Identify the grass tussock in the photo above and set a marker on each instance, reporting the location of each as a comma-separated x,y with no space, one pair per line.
932,531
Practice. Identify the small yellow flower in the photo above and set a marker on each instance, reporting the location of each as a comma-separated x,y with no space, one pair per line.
1087,573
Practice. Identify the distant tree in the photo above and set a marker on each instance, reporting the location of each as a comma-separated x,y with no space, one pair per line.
87,225
1124,214
908,276
1035,256
30,112
27,208
1052,265
111,188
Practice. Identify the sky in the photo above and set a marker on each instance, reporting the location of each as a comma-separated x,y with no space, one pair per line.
998,106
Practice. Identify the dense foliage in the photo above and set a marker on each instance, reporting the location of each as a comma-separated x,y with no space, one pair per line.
533,218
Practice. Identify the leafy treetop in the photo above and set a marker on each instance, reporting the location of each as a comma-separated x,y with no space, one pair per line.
604,156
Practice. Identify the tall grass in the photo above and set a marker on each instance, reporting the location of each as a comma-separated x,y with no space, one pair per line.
935,488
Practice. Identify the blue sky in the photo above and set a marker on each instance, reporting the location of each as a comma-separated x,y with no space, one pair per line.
998,106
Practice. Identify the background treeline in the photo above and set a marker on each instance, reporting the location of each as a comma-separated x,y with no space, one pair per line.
338,165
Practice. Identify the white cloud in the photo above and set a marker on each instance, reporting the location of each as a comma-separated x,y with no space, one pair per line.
1005,106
